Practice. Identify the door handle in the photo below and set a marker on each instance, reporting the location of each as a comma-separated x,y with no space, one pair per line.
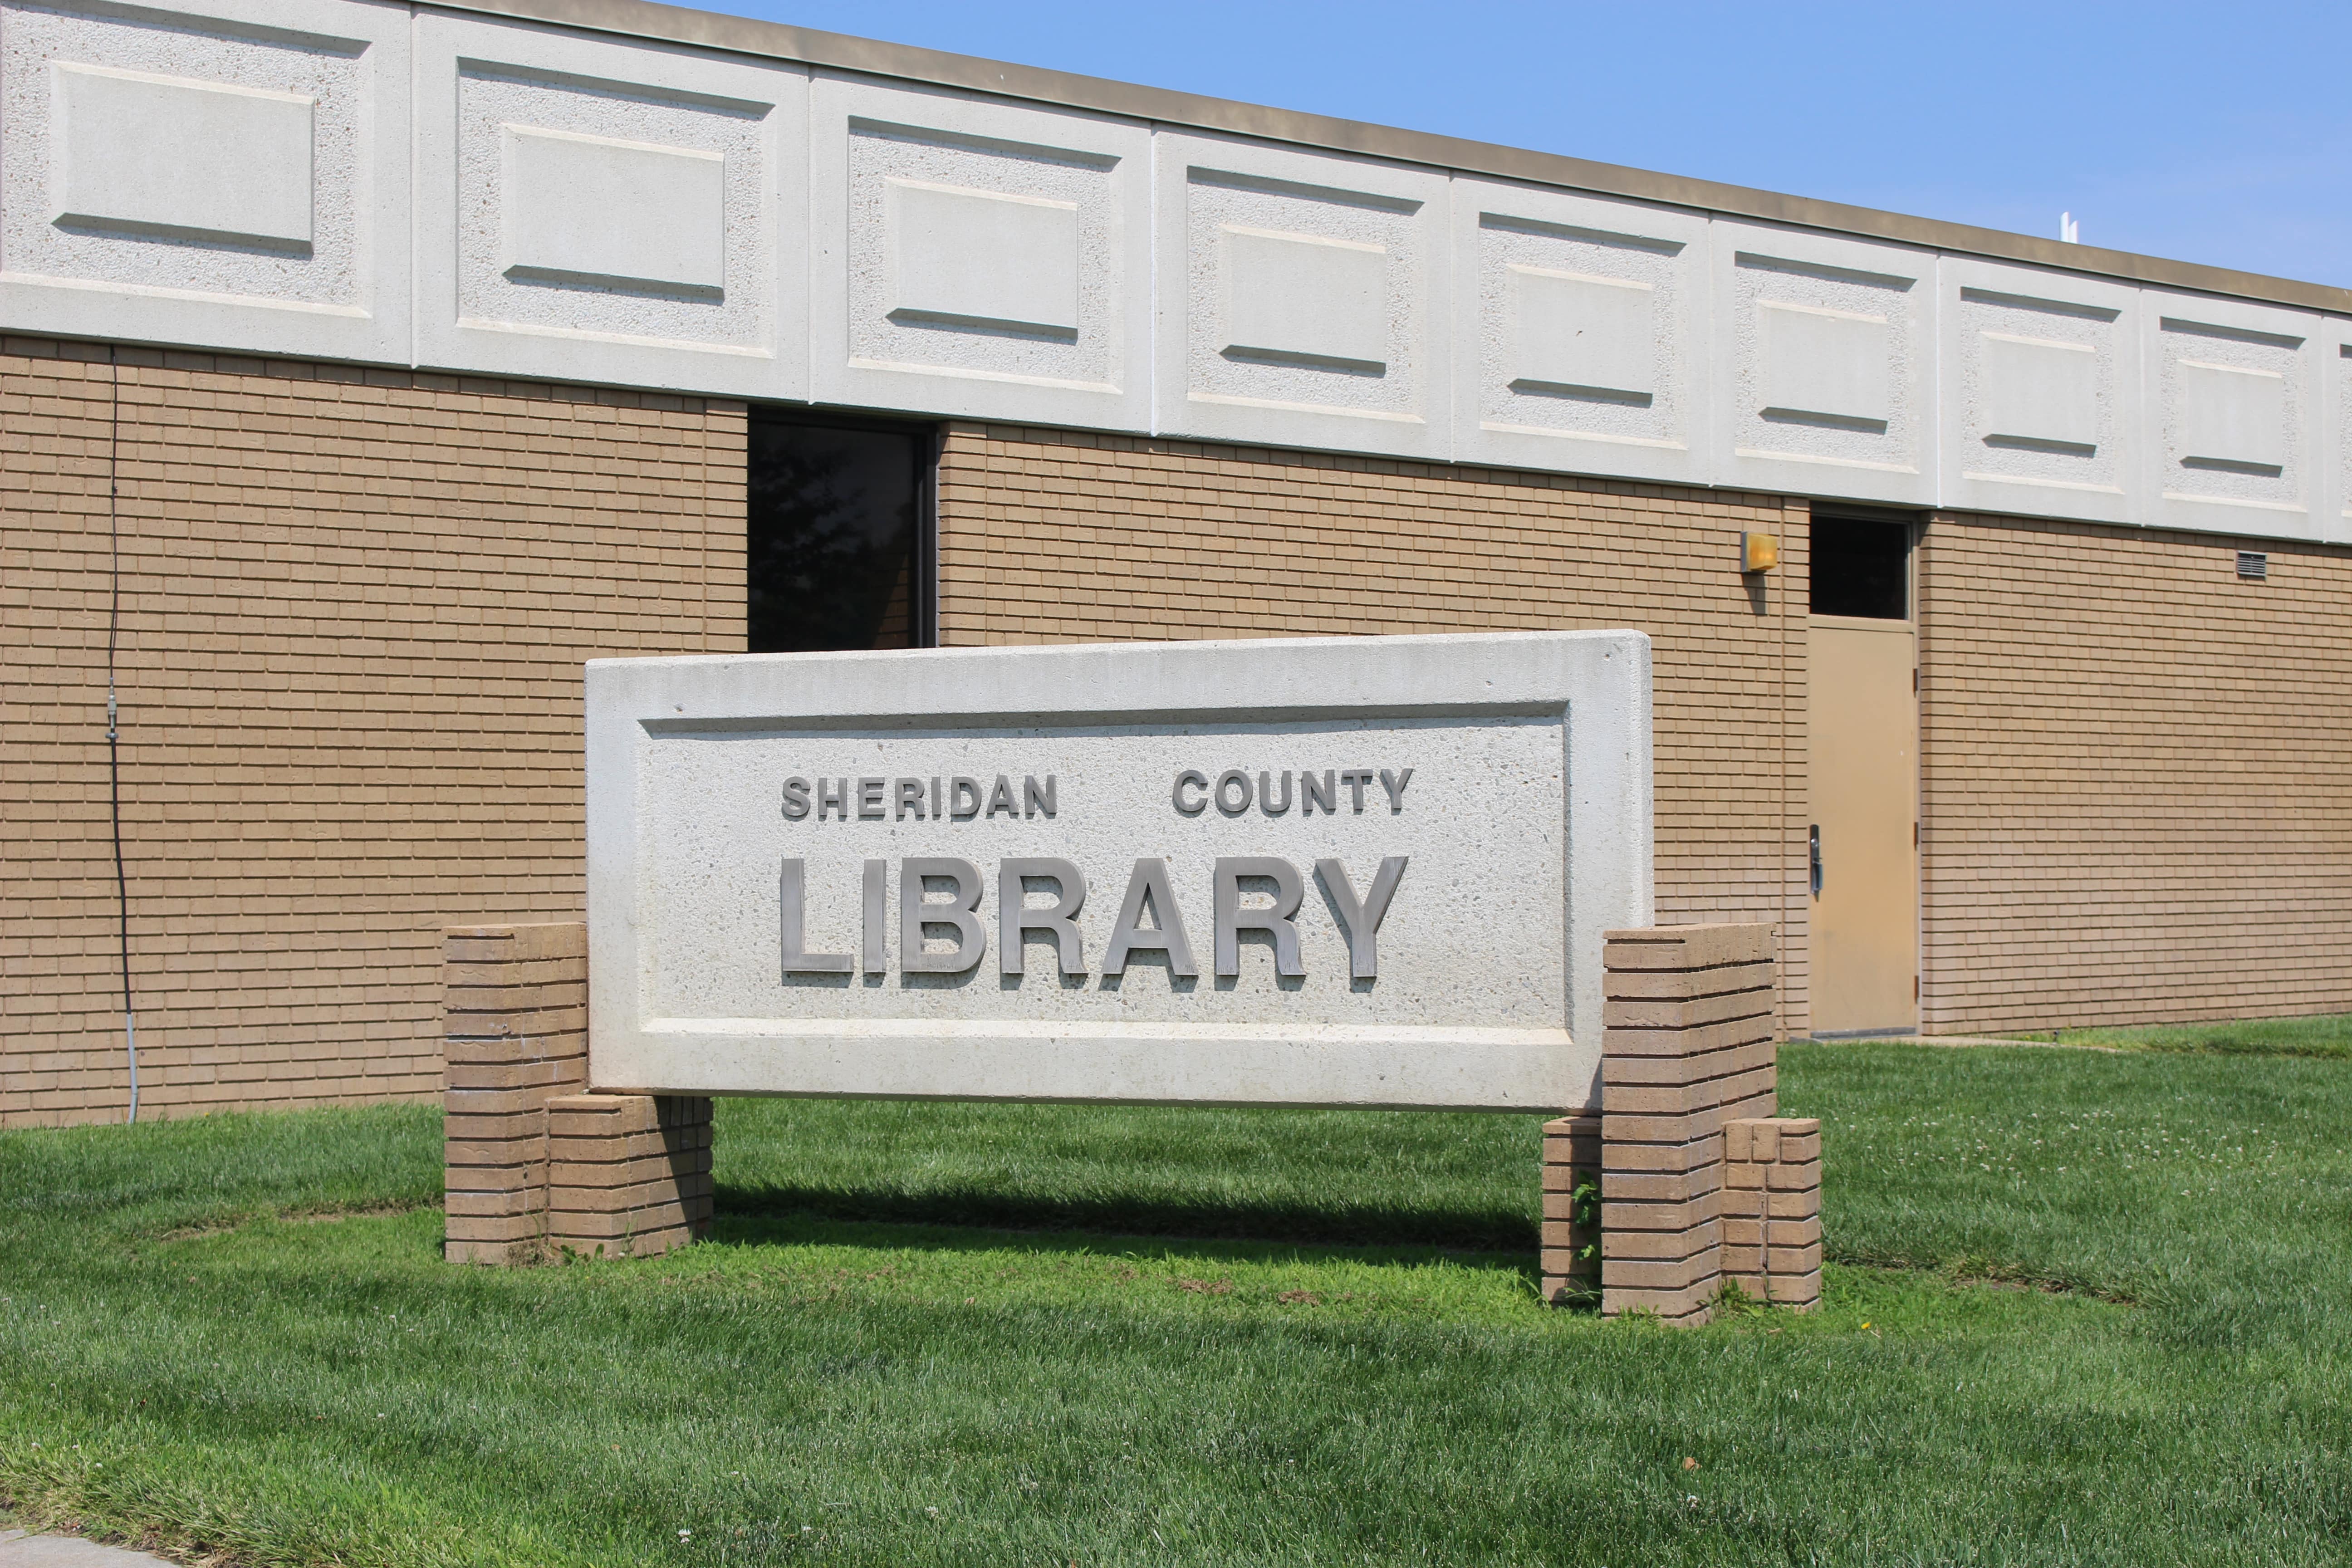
1814,841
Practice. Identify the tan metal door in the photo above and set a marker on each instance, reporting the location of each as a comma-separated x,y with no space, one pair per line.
1865,737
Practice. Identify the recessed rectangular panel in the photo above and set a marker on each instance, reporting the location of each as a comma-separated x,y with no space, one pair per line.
2039,406
1352,871
1826,370
604,210
1303,298
166,155
2039,391
996,259
2233,417
608,211
1311,300
976,259
1583,335
2239,418
1824,363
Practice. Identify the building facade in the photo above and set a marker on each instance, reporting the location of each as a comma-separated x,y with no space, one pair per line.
365,368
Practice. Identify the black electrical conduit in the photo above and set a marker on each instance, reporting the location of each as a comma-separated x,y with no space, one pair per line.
113,744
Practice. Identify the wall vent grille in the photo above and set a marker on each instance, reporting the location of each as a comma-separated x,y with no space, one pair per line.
2254,565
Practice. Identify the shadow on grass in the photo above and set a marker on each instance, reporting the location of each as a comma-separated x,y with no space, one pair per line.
973,1219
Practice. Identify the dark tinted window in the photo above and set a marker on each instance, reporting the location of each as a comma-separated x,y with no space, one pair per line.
834,547
1861,567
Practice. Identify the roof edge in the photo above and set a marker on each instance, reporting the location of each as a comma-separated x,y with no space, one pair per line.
646,19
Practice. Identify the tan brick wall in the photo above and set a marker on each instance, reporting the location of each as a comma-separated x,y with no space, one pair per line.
2134,794
355,604
1055,536
355,608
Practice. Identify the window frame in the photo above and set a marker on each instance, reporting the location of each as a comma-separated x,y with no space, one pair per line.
926,441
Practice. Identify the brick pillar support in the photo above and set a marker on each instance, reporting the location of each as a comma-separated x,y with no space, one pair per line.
1570,1259
531,1161
628,1175
1772,1209
516,1037
1688,1044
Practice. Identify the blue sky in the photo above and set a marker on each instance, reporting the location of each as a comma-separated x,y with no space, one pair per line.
2220,133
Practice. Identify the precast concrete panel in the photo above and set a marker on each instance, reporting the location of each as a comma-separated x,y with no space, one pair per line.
2335,396
1319,871
1581,329
235,178
2042,393
601,212
1825,365
1303,299
971,258
2235,393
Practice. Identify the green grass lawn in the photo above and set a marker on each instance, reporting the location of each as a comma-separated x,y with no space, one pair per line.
2087,1307
2321,1034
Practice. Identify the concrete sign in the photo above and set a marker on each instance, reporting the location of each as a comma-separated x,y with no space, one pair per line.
1357,872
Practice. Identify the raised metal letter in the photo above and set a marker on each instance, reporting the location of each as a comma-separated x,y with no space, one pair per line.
960,791
792,906
1033,799
908,793
1318,794
1199,780
833,794
1232,776
1362,919
1015,920
869,797
1394,783
1356,779
1001,798
1232,919
877,961
1265,794
915,913
796,799
1129,933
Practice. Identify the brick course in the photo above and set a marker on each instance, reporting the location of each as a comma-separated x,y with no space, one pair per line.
355,608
